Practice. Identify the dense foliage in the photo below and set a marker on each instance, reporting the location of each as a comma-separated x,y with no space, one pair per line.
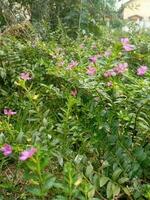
47,15
74,120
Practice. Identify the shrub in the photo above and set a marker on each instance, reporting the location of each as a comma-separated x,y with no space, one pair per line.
76,120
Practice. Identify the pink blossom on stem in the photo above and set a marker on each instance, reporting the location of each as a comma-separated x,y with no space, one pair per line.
25,76
74,93
72,64
109,73
121,68
93,59
128,47
6,150
125,41
9,112
27,153
91,71
142,70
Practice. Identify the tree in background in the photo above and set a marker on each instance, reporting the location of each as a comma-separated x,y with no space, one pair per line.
73,15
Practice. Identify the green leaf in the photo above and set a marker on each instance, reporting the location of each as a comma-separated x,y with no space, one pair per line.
116,174
49,183
20,136
115,189
44,162
35,191
126,191
103,180
123,180
45,122
31,166
60,159
91,193
61,198
89,170
109,190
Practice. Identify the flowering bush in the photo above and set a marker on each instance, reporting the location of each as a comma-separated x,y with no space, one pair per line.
74,120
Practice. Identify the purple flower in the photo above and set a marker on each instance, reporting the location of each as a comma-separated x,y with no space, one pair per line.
109,73
72,64
27,154
128,47
9,112
74,93
25,76
142,70
121,68
125,41
93,59
6,150
91,71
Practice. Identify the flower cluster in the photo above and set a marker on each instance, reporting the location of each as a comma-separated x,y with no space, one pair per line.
126,45
119,69
7,150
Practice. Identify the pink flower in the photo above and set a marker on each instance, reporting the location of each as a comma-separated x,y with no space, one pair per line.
93,59
121,68
91,71
74,93
109,73
142,70
109,84
6,149
27,154
125,41
128,47
9,112
25,76
72,64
